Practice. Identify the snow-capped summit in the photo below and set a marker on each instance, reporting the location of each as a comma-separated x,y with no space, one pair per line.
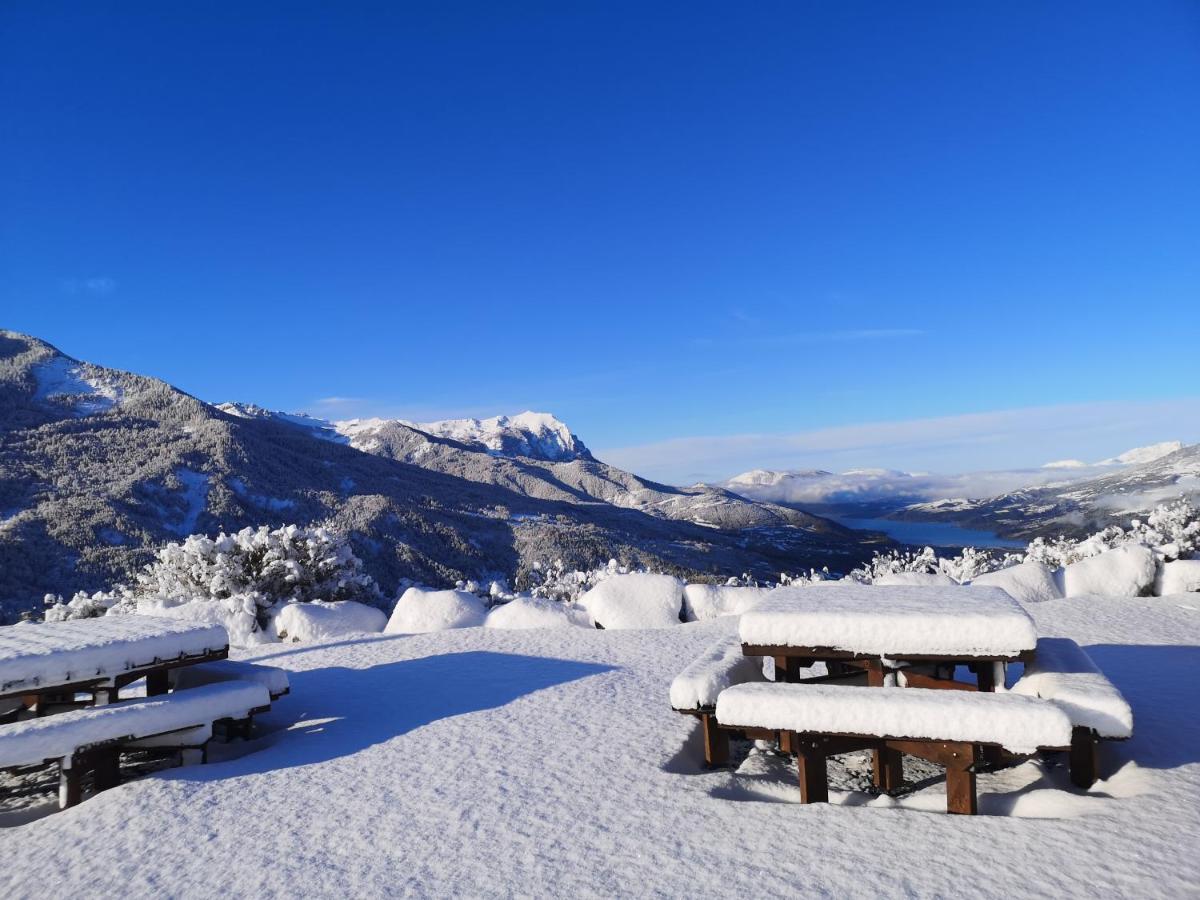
1065,464
533,434
767,477
1139,455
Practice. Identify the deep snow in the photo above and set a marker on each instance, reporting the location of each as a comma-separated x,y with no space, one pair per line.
489,762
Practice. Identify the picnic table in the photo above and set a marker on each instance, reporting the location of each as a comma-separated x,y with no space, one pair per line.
922,633
52,662
906,636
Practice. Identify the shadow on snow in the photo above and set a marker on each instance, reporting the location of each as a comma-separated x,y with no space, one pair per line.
335,712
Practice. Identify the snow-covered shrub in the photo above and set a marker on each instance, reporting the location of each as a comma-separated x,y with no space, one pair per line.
282,565
81,606
554,581
1172,529
917,579
1028,582
238,614
636,600
1178,577
419,610
320,621
707,601
536,612
1127,571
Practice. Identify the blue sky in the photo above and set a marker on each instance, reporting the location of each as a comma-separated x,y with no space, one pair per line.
668,224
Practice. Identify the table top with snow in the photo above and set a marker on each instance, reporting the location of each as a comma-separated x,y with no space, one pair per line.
502,763
57,653
894,621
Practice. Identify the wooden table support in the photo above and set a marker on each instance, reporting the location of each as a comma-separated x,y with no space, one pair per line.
1083,757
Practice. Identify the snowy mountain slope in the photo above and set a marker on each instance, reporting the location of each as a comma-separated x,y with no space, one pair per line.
1076,506
89,488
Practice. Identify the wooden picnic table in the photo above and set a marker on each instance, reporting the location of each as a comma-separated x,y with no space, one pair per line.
912,636
52,662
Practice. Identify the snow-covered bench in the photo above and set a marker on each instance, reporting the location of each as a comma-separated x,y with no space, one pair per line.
946,727
1065,675
273,679
694,691
92,739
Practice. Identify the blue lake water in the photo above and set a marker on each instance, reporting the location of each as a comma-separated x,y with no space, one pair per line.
934,534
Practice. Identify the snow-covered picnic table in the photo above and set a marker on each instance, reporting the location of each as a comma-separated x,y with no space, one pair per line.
893,625
102,655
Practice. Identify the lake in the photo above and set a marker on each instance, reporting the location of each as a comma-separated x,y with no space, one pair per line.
933,534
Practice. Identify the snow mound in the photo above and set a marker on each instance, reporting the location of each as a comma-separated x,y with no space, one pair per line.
914,579
1028,582
1019,724
1179,577
638,600
721,665
419,611
708,601
1127,571
235,614
535,612
320,620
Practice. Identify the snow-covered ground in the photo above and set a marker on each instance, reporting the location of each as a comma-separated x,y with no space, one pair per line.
489,762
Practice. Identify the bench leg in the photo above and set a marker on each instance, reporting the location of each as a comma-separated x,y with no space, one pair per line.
70,790
814,777
716,742
887,768
1083,764
157,683
961,797
106,769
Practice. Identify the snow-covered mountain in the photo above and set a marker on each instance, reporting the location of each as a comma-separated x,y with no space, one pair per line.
880,492
1078,505
528,434
98,467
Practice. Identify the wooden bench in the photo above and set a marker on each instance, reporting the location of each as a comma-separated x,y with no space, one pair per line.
274,679
695,690
950,728
1065,675
92,739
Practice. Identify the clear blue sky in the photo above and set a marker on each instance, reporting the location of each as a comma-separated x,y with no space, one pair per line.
656,220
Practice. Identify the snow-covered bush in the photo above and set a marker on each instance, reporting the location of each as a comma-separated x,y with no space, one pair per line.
282,565
320,621
1127,571
1028,582
536,612
1178,577
636,600
238,614
420,610
554,581
707,601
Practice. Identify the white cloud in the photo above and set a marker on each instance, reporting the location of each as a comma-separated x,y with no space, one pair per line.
973,442
100,285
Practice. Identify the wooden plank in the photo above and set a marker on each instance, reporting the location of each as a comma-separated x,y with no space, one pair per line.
929,682
825,654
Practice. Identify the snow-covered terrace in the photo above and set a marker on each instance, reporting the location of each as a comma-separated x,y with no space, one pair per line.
486,762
